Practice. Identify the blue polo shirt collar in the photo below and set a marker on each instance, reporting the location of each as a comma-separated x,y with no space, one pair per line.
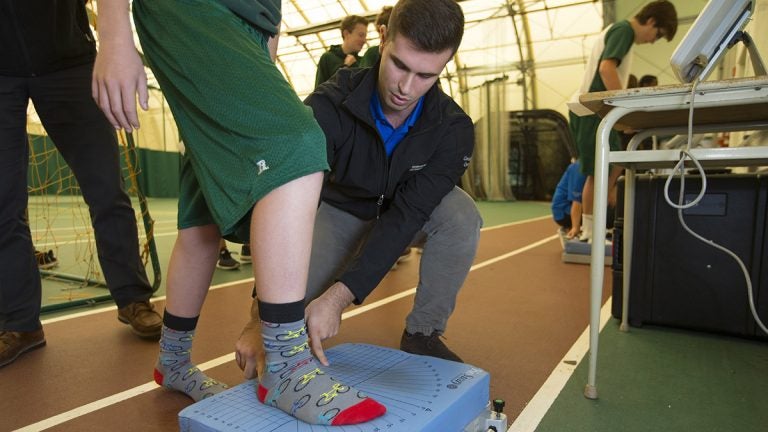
389,135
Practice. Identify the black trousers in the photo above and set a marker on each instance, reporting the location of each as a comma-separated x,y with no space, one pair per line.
89,145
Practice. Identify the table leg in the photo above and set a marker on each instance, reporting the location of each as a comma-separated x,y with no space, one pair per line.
602,150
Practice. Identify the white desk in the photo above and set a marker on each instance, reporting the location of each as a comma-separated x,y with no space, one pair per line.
738,104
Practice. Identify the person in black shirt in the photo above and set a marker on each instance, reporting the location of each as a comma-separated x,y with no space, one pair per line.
47,53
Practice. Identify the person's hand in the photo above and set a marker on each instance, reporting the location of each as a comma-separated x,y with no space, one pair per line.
323,317
572,233
349,60
118,75
249,350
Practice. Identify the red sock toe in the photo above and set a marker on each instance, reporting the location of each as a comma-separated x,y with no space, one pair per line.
362,412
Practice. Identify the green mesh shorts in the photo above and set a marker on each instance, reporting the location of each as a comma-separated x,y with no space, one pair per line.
584,132
245,130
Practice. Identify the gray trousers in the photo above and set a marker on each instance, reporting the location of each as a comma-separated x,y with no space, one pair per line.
449,239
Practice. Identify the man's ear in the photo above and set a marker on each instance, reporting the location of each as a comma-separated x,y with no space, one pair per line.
383,33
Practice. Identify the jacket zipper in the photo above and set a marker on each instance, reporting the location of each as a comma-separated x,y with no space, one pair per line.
380,201
387,167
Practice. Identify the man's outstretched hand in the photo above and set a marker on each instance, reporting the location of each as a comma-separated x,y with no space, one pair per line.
249,349
323,317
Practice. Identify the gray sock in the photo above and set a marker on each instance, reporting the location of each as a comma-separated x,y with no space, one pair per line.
294,382
175,370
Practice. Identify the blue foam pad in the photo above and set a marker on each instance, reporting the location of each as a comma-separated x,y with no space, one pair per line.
575,251
421,394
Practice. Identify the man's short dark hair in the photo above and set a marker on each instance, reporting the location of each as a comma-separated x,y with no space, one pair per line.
648,80
665,15
383,17
432,25
350,22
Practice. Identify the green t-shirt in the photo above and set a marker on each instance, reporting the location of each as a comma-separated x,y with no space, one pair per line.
264,14
370,57
618,41
330,62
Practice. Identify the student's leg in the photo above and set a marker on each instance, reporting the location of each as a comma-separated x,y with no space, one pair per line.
189,275
452,234
271,144
281,242
588,200
281,239
191,269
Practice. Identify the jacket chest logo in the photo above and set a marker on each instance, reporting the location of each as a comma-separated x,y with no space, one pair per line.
417,167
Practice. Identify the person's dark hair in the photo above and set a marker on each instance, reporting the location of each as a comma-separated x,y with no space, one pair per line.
631,81
350,22
431,25
383,17
665,15
648,80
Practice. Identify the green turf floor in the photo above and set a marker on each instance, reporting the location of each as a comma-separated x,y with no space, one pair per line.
658,379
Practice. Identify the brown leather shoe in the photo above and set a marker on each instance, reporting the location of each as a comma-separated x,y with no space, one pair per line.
142,318
13,344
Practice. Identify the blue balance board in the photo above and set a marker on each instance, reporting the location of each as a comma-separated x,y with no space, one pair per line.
421,393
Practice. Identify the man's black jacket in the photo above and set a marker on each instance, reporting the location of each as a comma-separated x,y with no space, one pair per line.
401,192
38,37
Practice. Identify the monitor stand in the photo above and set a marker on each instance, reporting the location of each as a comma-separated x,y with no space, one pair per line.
754,54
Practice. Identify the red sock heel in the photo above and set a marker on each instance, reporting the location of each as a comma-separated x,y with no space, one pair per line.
158,377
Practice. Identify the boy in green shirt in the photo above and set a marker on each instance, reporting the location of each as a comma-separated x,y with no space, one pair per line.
608,69
354,31
252,170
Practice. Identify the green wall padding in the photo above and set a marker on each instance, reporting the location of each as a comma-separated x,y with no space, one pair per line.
49,174
159,173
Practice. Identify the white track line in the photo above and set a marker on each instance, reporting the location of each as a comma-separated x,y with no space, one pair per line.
136,391
536,219
531,416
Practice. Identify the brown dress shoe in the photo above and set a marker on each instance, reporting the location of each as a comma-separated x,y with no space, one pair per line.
13,344
142,318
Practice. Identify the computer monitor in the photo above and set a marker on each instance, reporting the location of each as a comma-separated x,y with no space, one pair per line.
709,37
